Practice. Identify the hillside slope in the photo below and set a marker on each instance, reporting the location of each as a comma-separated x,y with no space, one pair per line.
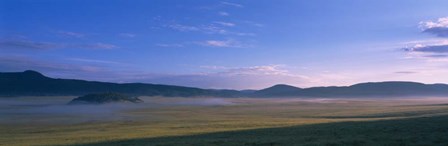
32,83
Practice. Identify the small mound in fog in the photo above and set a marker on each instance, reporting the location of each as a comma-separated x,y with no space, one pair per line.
104,98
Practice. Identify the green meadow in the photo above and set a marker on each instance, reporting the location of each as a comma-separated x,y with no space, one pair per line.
226,121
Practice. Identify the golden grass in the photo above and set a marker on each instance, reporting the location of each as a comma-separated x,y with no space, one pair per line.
161,117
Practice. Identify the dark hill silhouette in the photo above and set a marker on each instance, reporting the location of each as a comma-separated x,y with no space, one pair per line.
104,98
371,89
279,90
32,83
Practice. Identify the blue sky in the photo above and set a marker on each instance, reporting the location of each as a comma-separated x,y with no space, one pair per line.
228,44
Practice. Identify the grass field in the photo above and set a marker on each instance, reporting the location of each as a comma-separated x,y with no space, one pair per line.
232,121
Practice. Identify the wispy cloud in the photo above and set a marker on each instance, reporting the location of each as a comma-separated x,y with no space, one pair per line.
209,29
232,4
405,72
438,28
224,43
433,41
253,23
242,33
431,53
28,62
170,45
222,13
429,49
71,34
127,35
27,44
213,29
93,61
215,43
22,44
97,46
213,67
183,28
437,55
258,70
228,43
217,27
274,69
225,23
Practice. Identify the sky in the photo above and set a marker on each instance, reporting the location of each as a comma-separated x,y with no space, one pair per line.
247,44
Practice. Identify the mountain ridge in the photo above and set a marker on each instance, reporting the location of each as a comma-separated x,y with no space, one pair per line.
33,83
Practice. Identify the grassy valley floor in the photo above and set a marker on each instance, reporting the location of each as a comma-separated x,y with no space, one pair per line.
233,121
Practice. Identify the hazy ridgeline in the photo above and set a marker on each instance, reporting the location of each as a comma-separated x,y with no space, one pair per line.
50,121
32,83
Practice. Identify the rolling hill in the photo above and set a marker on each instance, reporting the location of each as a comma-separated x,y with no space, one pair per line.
371,89
32,83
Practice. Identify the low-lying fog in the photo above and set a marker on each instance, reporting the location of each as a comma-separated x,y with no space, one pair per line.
16,110
56,110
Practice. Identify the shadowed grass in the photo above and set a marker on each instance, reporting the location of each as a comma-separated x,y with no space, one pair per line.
431,131
389,115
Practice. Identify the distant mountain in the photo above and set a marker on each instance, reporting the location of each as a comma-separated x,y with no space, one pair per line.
371,89
279,90
32,83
